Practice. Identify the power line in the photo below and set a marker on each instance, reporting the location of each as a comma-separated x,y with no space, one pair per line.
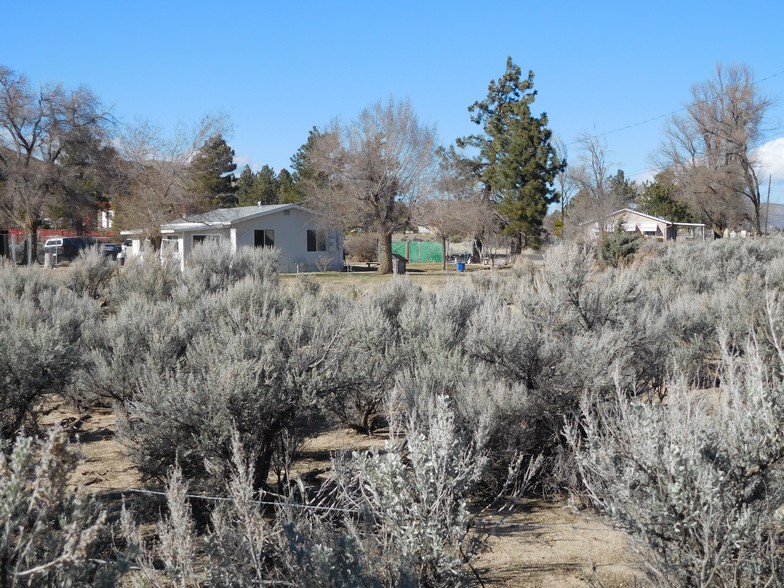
661,116
769,77
633,125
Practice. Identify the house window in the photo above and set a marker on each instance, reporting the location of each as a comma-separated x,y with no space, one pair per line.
317,240
170,245
199,239
264,238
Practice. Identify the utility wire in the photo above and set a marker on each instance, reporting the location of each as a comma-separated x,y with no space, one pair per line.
484,522
227,499
661,116
768,78
633,125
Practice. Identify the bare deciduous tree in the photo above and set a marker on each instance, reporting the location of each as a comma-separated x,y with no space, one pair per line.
711,148
456,206
158,175
38,129
367,174
598,191
567,187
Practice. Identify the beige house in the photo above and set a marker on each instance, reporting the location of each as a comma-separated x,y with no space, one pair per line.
304,243
634,221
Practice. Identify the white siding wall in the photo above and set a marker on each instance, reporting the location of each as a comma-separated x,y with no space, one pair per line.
291,238
633,222
185,242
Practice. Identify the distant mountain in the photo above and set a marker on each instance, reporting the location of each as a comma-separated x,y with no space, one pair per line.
775,216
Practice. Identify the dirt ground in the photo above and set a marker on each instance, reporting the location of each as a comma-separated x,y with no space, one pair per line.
106,467
546,544
535,543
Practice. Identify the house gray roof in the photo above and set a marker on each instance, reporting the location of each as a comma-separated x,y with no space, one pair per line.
638,213
223,217
228,215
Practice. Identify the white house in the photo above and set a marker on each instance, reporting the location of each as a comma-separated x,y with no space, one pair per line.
304,243
634,221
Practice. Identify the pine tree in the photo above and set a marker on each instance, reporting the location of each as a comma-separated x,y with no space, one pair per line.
517,158
213,180
659,198
246,184
289,192
267,185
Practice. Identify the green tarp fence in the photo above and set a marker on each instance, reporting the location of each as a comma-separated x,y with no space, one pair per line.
418,251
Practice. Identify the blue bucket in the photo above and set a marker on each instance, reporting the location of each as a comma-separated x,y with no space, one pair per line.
460,266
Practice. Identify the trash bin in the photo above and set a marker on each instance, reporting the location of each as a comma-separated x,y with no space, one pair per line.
460,266
121,257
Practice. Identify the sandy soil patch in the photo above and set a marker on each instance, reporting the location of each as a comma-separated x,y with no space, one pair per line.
547,544
106,467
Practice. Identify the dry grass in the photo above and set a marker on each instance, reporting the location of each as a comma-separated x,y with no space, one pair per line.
429,276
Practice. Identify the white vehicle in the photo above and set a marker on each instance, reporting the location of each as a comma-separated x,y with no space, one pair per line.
66,248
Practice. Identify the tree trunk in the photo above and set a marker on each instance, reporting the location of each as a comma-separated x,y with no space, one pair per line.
262,466
385,257
443,250
476,253
517,243
757,216
32,251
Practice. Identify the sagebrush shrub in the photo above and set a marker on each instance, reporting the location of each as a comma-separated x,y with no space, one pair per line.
220,371
213,267
696,480
259,368
372,350
42,326
91,272
140,337
147,275
47,531
396,517
412,500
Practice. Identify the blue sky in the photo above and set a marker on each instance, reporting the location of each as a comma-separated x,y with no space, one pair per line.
278,69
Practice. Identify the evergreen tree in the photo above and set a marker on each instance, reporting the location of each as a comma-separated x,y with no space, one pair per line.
301,165
659,198
212,177
264,187
246,184
289,192
621,189
267,185
304,176
518,160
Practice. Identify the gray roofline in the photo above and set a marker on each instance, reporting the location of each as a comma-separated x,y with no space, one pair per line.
186,225
654,218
